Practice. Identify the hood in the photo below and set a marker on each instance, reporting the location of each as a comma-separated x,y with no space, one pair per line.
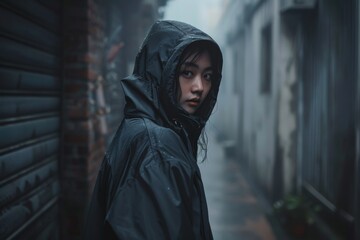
151,91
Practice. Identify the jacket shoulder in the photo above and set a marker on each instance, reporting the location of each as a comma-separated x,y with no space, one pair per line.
147,142
168,145
140,129
162,136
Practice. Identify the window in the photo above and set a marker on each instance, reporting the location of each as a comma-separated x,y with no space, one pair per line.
265,60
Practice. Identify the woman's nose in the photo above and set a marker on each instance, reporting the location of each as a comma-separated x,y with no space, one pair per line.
197,84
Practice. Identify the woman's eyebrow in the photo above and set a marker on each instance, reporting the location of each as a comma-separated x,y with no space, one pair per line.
191,64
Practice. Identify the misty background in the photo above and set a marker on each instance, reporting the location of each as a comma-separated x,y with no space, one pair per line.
284,139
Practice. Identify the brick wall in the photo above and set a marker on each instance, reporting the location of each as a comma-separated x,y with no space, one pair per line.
84,128
92,96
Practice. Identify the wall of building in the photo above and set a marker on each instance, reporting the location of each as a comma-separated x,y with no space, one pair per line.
83,123
260,93
246,111
93,99
297,101
60,104
286,71
328,84
226,113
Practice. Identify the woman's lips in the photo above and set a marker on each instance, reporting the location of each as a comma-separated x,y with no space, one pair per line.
194,102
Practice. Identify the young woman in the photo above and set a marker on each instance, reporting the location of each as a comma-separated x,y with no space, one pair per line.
149,185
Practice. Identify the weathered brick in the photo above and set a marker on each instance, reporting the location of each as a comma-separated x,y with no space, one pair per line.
83,141
82,73
85,57
72,88
75,138
75,113
80,126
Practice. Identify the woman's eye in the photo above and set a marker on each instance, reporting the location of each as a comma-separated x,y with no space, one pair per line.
208,76
187,74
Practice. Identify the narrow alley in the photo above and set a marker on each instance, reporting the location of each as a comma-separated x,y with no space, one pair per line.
235,209
283,158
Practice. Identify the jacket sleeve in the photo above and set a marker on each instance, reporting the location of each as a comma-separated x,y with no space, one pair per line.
157,204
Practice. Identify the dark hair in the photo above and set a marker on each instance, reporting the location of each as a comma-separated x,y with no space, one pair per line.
195,50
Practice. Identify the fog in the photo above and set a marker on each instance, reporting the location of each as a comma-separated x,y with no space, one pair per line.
203,14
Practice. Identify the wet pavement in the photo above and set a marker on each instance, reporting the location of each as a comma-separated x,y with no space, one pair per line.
236,212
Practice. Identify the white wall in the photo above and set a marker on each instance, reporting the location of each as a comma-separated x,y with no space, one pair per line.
263,123
227,112
259,108
287,109
269,120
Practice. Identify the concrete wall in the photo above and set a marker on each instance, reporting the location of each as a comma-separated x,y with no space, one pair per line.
259,116
286,71
226,113
261,123
297,133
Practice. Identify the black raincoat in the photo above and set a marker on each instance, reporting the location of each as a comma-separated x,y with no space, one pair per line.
149,185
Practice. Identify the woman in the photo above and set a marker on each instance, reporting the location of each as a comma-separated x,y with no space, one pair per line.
149,185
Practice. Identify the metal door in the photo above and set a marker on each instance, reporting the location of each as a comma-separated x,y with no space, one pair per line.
328,145
30,97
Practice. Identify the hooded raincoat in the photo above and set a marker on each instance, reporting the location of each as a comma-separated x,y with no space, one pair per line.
149,185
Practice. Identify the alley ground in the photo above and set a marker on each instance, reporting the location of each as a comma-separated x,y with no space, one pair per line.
236,211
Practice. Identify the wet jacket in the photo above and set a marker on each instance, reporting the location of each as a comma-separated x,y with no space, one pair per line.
149,185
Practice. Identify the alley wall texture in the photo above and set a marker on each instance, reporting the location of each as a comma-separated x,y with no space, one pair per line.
93,99
30,118
84,135
60,104
297,102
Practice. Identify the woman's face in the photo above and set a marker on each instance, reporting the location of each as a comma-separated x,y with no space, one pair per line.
195,81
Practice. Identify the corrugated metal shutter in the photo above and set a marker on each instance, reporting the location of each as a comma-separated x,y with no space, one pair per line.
329,85
30,96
